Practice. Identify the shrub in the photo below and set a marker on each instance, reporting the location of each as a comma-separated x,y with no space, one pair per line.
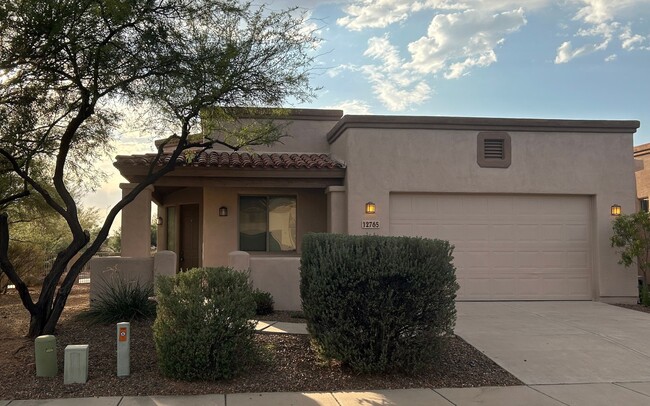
121,300
263,302
378,303
203,328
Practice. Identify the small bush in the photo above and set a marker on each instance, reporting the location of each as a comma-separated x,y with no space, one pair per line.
121,301
263,302
378,303
203,328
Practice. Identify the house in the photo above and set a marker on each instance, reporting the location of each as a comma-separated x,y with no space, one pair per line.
642,161
526,202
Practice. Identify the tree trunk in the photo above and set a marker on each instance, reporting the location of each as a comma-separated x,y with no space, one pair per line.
36,324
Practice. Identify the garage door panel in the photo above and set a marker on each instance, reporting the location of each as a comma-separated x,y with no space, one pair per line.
506,246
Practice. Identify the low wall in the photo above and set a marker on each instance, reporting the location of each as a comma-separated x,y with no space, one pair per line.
106,271
280,276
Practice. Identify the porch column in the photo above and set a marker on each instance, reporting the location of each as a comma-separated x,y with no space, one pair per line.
136,223
336,210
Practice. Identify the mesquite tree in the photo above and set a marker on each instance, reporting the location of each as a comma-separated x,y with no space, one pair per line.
68,68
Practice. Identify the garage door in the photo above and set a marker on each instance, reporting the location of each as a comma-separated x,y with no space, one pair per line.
508,247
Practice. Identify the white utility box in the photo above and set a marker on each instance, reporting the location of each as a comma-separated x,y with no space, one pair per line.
75,366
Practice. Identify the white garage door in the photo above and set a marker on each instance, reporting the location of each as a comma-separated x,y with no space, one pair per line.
530,247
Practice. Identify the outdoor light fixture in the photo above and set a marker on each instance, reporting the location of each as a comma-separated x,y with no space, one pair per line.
223,211
616,210
159,221
371,208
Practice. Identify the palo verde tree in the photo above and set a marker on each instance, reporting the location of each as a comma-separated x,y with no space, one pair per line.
67,66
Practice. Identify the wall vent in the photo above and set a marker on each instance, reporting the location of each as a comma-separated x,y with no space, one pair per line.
493,148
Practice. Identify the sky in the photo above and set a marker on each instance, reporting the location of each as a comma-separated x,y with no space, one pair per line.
562,59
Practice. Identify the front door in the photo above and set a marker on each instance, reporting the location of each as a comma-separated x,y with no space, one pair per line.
188,254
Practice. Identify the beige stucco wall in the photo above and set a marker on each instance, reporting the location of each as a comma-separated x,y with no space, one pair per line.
303,135
444,161
136,237
221,234
279,276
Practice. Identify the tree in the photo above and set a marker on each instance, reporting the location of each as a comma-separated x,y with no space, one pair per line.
66,67
632,236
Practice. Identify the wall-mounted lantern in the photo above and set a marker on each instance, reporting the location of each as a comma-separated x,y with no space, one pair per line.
223,211
159,221
615,210
371,208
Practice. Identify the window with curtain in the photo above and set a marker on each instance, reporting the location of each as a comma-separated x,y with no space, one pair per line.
267,223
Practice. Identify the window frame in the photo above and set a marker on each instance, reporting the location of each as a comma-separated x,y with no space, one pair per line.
267,232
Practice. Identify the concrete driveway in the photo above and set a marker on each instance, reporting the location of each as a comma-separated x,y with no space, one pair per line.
560,342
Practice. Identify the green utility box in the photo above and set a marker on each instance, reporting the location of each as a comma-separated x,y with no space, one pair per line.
45,348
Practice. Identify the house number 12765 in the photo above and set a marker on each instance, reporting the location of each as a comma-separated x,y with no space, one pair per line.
370,224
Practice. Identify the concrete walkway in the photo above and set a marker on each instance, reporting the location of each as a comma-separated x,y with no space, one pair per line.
567,353
636,394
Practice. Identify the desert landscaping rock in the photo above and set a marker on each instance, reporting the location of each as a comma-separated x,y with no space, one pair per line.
287,363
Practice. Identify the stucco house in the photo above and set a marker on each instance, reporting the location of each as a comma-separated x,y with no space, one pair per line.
526,202
642,175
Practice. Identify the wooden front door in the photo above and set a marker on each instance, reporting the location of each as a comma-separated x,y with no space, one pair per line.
189,253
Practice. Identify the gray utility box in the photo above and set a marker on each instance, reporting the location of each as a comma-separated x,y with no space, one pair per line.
45,355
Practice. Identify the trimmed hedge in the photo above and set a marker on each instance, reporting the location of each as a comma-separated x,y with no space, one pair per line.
378,303
203,328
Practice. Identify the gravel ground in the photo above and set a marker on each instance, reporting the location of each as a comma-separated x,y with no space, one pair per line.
637,307
288,363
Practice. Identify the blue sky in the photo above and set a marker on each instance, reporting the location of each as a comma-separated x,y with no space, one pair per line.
570,59
582,59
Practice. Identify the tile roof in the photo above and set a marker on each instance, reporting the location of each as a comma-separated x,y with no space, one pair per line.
216,159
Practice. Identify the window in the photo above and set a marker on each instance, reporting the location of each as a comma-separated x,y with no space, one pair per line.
493,149
643,203
267,223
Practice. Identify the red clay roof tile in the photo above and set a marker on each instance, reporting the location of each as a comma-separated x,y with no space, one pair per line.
216,159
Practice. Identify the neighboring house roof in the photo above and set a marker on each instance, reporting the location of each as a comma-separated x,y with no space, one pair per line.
236,160
640,150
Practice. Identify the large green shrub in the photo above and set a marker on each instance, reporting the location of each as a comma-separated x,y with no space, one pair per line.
378,303
203,328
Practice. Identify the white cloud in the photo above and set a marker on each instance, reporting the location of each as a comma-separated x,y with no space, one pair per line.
394,84
375,14
566,52
602,23
458,41
464,35
353,106
630,41
611,58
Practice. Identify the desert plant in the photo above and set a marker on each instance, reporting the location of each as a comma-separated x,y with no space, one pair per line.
263,302
632,238
121,300
378,303
203,328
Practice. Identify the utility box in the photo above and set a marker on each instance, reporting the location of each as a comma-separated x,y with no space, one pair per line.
75,366
123,349
45,356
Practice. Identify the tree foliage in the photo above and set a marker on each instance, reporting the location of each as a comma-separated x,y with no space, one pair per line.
632,238
67,67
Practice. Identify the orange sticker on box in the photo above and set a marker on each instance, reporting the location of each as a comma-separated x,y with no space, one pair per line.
122,334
